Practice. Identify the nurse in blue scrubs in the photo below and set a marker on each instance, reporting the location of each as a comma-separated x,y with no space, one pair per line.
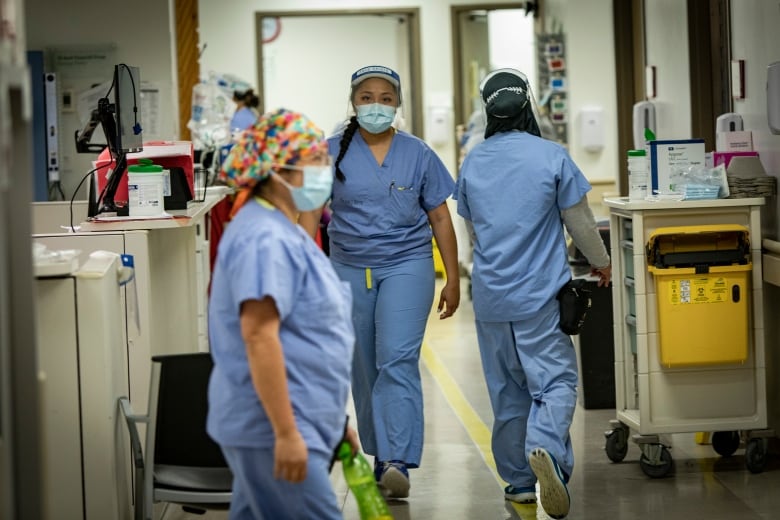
389,200
518,190
280,329
246,113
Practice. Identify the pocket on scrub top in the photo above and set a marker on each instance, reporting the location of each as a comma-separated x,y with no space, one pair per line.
404,205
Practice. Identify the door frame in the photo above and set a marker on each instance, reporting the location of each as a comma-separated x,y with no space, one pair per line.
413,14
457,55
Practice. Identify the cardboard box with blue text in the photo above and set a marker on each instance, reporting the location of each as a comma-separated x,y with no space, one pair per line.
667,155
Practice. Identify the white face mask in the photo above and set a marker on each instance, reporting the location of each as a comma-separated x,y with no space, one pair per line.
316,189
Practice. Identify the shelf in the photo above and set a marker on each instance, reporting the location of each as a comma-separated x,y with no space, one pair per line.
624,203
181,218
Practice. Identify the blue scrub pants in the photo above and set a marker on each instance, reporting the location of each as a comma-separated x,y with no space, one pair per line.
257,495
390,314
530,368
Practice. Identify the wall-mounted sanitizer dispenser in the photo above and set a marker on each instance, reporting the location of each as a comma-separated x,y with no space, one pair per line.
729,122
773,97
644,117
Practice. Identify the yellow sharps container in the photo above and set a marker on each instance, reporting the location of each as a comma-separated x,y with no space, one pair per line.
702,280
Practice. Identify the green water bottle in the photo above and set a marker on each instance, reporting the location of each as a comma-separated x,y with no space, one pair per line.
360,478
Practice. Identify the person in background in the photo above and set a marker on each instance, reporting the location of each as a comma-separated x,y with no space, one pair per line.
389,194
517,190
280,329
246,113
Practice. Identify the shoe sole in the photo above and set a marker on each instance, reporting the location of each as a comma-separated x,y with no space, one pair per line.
395,483
521,498
552,491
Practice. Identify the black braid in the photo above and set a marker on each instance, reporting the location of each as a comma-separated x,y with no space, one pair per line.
349,131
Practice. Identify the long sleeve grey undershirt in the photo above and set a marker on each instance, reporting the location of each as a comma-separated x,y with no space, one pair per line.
581,225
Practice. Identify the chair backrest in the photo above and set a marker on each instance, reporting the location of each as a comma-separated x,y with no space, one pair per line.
182,407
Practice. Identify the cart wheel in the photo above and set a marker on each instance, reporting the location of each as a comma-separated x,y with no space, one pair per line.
725,443
755,455
659,469
617,444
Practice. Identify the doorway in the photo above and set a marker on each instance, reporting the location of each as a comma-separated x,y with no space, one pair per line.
484,38
312,75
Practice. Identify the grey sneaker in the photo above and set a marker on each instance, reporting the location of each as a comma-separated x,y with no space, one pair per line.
552,484
394,479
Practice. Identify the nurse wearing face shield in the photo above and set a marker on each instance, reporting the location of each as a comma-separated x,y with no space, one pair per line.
389,199
517,189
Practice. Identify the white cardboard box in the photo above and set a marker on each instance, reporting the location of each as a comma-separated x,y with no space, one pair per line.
665,156
734,141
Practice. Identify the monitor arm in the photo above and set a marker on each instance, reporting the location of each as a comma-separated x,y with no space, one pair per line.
102,115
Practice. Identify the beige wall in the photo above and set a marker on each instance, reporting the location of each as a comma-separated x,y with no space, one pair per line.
588,24
141,32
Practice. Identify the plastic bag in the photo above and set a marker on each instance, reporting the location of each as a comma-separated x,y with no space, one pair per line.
212,109
700,183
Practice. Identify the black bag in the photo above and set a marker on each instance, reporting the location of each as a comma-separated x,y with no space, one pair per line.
574,300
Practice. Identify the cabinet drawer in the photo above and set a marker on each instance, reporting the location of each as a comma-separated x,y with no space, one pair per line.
631,329
627,257
628,283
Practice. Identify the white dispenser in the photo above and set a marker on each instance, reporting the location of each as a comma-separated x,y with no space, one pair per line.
773,97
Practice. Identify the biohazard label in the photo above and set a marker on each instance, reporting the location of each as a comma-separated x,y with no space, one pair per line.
698,290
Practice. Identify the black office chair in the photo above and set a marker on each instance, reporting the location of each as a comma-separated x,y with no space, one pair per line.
181,463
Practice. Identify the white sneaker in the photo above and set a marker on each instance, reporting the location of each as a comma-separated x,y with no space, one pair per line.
552,486
521,495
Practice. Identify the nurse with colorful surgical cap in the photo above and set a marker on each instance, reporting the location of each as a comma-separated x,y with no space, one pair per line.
518,191
389,201
280,329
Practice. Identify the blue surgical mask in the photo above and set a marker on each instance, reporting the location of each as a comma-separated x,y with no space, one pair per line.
376,117
316,188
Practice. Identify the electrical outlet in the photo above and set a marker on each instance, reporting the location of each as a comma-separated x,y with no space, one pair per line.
67,101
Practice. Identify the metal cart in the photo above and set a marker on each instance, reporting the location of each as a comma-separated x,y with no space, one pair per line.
662,384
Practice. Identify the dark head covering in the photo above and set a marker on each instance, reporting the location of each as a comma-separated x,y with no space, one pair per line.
508,103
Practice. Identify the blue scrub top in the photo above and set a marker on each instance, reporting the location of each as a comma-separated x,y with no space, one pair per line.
243,118
263,254
380,212
512,187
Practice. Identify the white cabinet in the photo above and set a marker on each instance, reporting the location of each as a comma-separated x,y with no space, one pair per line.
653,399
172,275
82,363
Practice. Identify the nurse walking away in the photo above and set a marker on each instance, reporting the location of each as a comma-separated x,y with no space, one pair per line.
280,329
515,188
390,192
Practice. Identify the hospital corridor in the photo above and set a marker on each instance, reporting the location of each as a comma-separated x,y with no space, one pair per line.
457,478
217,227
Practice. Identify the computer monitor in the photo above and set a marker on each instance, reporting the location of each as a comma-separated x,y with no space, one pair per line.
123,130
127,90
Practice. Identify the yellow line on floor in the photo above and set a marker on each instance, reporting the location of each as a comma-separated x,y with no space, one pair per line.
476,428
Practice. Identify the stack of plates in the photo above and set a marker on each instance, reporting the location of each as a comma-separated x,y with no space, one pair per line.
742,187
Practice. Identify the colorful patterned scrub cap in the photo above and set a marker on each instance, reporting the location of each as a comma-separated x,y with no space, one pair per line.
279,137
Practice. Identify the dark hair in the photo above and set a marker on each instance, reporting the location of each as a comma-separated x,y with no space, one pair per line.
248,98
349,132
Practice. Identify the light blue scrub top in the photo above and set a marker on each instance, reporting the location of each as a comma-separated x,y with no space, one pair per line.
242,119
380,212
263,254
512,187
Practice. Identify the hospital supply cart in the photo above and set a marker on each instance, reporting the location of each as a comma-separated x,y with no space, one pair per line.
667,380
